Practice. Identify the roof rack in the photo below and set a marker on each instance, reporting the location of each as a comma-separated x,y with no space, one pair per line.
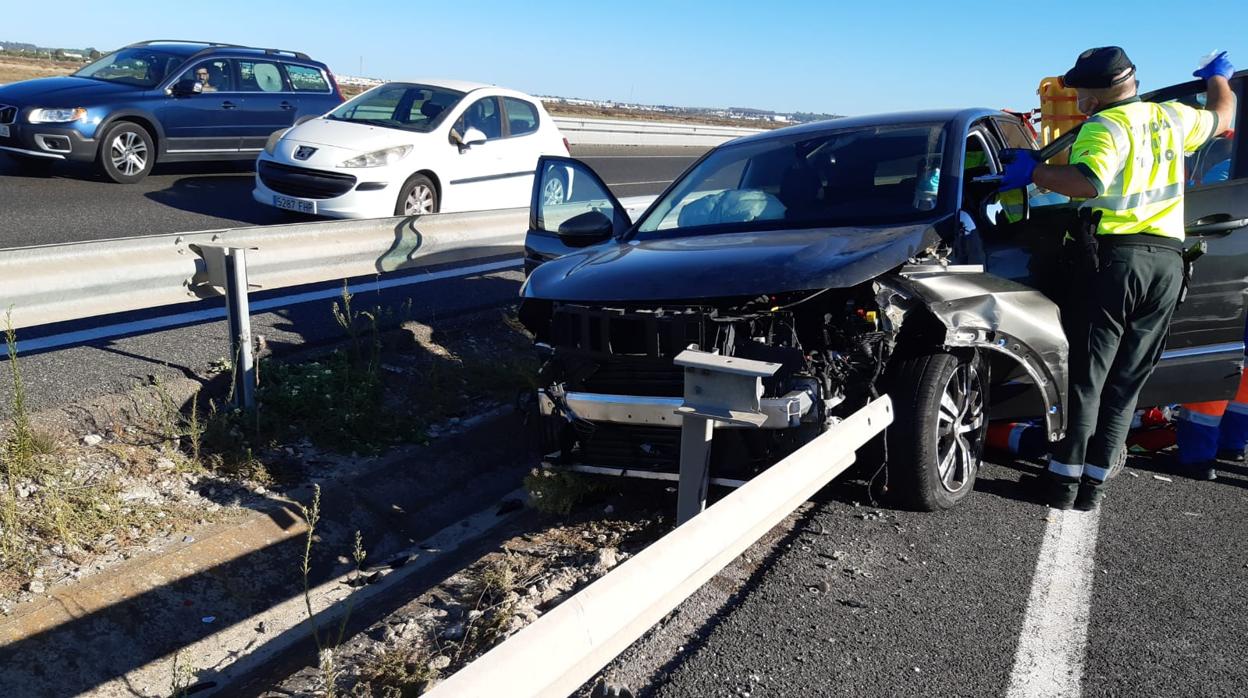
297,54
149,42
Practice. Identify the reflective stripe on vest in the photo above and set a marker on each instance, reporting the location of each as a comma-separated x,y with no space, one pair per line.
1145,194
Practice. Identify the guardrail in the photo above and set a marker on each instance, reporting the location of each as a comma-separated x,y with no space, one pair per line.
569,645
580,131
55,283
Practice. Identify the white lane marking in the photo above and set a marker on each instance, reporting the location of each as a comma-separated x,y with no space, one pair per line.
196,316
632,184
1049,660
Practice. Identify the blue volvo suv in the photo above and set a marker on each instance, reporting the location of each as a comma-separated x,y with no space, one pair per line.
164,101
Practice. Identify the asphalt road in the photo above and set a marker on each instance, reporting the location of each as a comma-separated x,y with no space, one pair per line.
70,203
860,601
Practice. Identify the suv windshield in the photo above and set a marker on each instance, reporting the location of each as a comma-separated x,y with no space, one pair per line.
864,176
402,106
141,67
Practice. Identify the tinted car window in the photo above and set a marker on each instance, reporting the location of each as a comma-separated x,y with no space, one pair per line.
399,105
141,67
853,177
1014,135
521,116
260,76
215,75
305,79
1212,162
483,115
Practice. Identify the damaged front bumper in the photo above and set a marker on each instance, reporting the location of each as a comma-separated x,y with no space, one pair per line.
783,412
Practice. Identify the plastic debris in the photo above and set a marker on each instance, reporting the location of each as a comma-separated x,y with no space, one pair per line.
209,619
1163,478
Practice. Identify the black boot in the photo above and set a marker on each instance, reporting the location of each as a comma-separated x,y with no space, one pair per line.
1090,493
1231,455
1062,491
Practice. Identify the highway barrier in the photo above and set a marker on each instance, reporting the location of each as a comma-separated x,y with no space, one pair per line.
580,131
566,647
56,283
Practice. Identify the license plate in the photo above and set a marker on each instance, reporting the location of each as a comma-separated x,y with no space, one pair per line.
294,204
4,130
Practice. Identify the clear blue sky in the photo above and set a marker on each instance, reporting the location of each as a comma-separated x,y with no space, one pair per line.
849,58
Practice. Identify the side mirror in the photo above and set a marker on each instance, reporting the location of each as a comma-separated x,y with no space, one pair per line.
586,228
471,137
187,87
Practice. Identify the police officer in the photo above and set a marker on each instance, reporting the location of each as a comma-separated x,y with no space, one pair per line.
1127,164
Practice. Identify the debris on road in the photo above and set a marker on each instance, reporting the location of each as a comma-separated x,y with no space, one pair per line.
1163,478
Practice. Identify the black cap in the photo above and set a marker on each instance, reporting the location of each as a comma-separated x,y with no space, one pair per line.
1098,68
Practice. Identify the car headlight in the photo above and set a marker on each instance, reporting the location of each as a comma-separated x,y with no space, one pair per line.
56,116
379,158
274,137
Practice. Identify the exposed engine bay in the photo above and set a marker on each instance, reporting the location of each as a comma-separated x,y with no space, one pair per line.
609,388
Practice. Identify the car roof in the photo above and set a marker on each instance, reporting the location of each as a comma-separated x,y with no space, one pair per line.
210,48
457,85
958,117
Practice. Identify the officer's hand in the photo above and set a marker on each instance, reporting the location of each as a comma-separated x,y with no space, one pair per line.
1020,163
1219,66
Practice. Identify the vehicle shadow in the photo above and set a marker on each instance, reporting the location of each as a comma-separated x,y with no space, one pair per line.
226,194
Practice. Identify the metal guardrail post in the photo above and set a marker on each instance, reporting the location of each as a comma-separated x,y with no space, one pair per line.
717,389
227,270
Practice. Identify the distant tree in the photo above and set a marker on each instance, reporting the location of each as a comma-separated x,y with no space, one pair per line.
93,55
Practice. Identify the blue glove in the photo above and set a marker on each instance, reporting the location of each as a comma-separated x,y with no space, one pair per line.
1019,166
1218,66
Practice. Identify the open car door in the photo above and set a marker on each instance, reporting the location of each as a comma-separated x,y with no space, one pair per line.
571,208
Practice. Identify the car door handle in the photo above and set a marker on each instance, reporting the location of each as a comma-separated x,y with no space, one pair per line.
1217,224
286,105
228,105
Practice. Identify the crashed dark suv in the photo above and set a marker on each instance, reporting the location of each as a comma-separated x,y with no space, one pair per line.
866,256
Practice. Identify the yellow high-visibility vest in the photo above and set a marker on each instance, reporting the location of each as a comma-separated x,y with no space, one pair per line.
1133,154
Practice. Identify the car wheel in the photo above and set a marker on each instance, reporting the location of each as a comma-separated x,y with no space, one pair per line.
418,196
937,437
127,153
555,189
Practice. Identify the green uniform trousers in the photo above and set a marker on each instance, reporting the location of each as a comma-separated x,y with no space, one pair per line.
1114,346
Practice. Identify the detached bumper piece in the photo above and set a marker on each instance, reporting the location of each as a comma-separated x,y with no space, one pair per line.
782,412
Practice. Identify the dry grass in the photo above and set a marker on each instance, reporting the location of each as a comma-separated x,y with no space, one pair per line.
14,68
575,110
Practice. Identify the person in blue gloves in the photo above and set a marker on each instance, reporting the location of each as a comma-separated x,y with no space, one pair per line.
1127,165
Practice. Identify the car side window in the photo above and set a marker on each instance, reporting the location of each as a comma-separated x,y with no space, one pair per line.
1214,161
484,116
260,76
521,116
215,75
306,79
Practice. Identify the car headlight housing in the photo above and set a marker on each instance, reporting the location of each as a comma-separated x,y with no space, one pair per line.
379,158
271,144
56,116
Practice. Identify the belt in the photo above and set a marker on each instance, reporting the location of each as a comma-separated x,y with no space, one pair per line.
1141,240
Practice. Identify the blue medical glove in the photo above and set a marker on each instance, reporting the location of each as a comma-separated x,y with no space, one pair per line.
1019,166
1218,66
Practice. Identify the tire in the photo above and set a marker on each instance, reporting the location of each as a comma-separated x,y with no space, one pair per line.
940,424
555,188
417,197
127,153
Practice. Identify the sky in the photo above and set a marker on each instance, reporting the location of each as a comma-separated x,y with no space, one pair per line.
831,57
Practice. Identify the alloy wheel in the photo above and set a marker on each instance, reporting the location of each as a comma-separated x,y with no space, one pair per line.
419,200
552,191
960,422
128,153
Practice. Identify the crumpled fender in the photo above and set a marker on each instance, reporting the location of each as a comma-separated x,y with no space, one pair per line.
988,312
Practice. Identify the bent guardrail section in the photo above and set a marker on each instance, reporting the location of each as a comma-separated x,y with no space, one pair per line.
566,647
